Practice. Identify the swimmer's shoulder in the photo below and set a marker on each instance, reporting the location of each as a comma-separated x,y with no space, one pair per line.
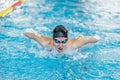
51,44
70,42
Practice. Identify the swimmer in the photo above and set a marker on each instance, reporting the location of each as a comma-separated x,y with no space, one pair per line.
60,39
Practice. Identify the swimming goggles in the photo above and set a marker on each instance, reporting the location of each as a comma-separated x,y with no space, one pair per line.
58,42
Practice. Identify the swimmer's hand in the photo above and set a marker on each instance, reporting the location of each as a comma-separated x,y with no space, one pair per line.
30,33
96,37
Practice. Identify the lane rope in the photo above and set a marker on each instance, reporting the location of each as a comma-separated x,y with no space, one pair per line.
11,8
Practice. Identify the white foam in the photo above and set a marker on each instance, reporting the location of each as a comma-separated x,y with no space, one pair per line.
80,55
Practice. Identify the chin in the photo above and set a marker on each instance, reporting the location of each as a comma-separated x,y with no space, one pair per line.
60,51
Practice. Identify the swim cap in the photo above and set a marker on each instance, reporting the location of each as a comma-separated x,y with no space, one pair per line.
60,31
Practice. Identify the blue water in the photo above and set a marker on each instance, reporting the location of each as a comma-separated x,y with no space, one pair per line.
24,59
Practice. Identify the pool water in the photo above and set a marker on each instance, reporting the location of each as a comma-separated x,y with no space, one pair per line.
24,59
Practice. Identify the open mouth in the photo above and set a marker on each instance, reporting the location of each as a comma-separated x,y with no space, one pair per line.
60,48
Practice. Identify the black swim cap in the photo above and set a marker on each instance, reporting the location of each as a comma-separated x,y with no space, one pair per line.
60,31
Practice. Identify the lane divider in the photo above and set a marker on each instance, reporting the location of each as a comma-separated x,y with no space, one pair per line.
9,9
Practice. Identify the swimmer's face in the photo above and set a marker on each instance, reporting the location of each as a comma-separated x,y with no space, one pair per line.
60,43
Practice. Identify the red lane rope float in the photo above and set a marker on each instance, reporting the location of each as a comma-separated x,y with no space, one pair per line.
9,9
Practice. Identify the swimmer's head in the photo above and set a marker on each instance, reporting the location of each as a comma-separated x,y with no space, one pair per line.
60,36
60,31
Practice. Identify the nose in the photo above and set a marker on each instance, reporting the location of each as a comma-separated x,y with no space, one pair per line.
60,44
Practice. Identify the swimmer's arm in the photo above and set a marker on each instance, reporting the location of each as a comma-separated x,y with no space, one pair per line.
84,40
41,39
